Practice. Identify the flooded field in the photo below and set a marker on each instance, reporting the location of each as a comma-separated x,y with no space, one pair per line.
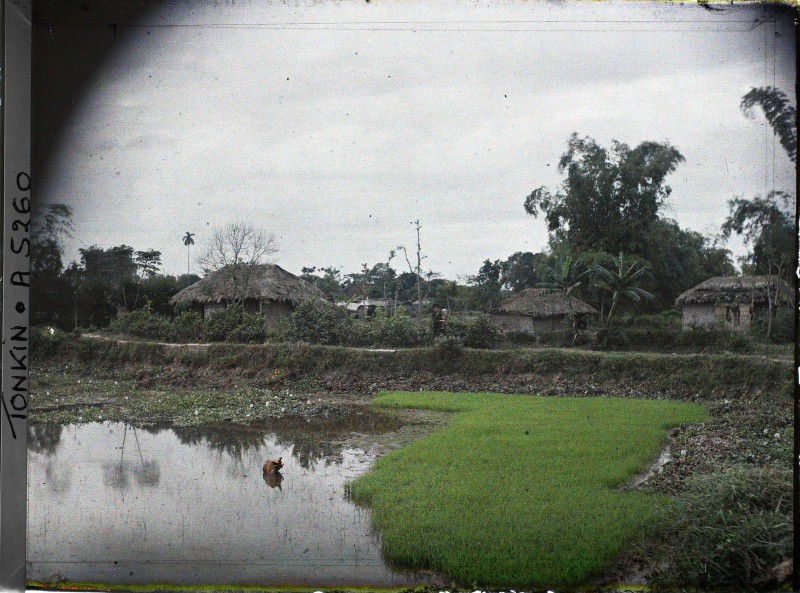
114,504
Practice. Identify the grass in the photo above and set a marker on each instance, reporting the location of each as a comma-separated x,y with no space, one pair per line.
518,491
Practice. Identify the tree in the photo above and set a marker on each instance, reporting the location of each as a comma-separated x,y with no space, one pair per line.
609,200
51,225
330,282
767,226
110,270
521,270
566,277
236,249
622,282
188,241
781,115
488,282
416,270
679,259
147,264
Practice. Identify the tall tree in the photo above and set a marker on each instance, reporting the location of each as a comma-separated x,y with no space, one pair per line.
767,227
780,114
488,282
188,241
52,223
147,264
416,269
566,277
523,270
622,281
609,199
236,249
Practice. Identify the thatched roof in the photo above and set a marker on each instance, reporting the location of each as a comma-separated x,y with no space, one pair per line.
266,282
539,303
732,289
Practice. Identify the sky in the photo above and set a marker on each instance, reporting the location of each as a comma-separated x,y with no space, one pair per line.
336,125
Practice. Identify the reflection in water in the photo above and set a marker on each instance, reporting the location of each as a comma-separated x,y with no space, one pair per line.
146,472
44,438
189,506
273,480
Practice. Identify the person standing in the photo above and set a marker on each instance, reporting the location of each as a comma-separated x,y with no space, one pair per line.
438,321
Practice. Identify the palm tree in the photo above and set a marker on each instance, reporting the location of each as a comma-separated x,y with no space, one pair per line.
622,282
565,278
780,113
187,240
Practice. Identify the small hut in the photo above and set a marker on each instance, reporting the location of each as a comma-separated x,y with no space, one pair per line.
271,292
733,302
538,310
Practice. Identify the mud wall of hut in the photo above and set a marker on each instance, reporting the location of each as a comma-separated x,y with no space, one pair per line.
273,311
730,316
508,322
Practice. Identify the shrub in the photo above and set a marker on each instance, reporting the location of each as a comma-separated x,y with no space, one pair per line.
782,327
317,322
396,331
560,339
221,324
727,529
188,326
449,346
519,338
45,341
252,329
142,323
474,332
617,337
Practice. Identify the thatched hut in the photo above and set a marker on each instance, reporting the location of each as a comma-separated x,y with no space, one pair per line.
271,291
538,310
732,302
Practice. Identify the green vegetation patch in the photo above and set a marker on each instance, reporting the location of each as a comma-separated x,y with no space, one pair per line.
519,490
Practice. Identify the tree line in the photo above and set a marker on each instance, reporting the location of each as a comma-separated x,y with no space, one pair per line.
609,243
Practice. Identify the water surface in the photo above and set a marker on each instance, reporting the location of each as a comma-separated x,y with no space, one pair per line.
112,504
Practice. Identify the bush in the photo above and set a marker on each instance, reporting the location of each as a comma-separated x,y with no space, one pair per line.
671,340
318,322
396,331
520,338
449,346
45,341
727,529
252,329
221,324
782,330
474,332
188,327
142,323
558,339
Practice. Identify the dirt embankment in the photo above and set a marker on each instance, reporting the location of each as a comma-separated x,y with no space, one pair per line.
699,377
748,398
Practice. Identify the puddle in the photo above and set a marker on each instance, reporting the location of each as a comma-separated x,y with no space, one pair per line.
112,504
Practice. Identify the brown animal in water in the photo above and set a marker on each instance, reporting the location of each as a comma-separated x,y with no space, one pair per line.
273,480
271,467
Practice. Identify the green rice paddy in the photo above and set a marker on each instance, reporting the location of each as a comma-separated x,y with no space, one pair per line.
519,491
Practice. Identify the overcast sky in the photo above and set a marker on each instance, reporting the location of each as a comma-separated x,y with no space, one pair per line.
337,124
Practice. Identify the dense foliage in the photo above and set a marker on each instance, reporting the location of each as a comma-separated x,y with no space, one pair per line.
727,529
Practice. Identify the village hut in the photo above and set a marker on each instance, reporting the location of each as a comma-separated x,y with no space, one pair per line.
271,292
540,310
732,302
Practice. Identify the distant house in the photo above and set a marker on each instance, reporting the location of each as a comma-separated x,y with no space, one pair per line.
359,306
538,310
733,302
271,291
